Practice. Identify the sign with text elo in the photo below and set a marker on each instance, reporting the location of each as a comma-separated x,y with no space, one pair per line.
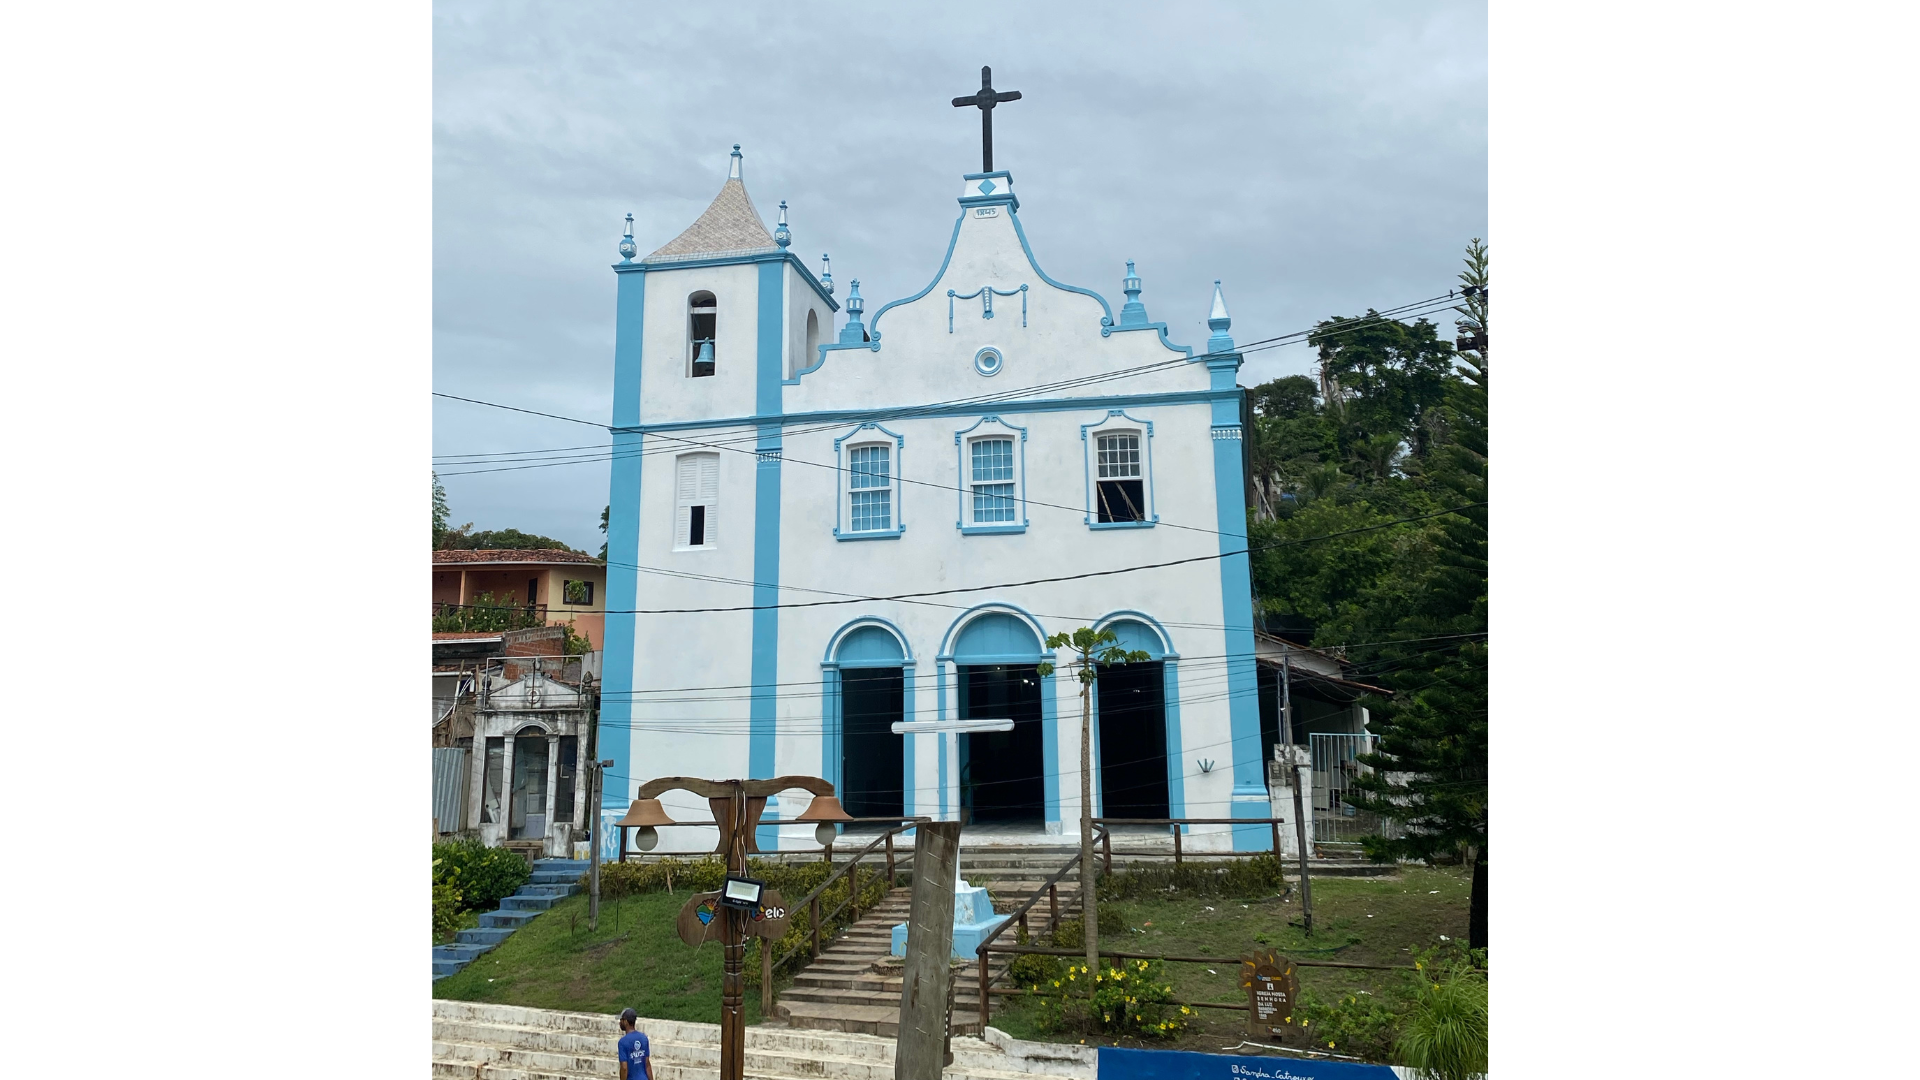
700,917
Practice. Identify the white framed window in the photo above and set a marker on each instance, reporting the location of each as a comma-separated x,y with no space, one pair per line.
1119,466
992,470
696,502
869,484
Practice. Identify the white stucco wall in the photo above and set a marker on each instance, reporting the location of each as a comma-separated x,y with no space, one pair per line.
704,732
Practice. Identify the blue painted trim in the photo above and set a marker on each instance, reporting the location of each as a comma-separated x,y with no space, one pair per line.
1106,331
838,636
1050,740
940,741
1176,749
765,661
842,477
830,725
1146,452
643,268
873,325
614,739
771,297
1249,798
1166,640
960,621
988,292
1035,263
1228,396
910,783
998,353
1020,483
1006,199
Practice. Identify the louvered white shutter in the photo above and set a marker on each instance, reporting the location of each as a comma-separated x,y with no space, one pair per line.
710,494
686,490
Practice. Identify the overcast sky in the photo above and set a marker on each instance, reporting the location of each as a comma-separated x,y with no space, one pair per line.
1318,159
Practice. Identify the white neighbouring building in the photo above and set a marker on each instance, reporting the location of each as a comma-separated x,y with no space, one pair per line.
995,427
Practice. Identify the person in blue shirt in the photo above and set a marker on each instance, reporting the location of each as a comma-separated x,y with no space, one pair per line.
636,1058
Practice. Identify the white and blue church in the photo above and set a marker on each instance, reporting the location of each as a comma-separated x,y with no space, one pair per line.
827,520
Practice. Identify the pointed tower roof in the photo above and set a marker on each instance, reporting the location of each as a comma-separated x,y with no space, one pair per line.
730,226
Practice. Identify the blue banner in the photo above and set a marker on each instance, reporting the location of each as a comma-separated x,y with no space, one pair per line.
1117,1063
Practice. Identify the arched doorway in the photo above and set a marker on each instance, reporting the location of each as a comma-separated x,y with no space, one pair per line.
872,698
1131,714
1002,773
527,809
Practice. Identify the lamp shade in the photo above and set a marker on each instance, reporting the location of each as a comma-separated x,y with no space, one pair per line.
824,808
645,814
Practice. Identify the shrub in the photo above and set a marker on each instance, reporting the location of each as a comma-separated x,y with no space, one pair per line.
1034,969
1126,1000
1072,933
1445,1033
1256,875
1360,1025
483,875
447,903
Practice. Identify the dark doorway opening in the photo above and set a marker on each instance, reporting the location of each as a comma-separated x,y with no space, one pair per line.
1133,740
871,702
1002,773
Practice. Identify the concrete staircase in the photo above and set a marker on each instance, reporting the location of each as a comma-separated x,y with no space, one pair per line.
472,1041
553,880
855,984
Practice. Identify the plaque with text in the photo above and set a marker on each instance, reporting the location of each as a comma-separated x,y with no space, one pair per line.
1272,988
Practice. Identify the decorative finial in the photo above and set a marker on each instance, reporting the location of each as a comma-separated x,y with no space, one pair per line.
627,247
1133,313
855,332
781,235
826,273
1218,322
733,167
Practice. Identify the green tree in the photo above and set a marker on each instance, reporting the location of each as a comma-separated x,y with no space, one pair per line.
1092,650
604,512
462,539
439,510
1389,374
1431,761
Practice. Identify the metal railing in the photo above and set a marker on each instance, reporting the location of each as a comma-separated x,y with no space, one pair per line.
851,871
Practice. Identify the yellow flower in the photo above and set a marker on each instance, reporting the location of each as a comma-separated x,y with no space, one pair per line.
1329,1046
1184,1011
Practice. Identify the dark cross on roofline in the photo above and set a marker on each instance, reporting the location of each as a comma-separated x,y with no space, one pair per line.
985,100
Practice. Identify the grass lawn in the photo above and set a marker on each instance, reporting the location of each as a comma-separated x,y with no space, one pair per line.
636,962
1356,920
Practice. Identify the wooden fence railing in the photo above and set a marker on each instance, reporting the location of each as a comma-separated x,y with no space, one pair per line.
811,901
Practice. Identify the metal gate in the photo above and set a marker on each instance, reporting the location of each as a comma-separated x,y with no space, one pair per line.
1335,764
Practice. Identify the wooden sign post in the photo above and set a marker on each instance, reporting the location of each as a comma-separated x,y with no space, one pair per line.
1272,988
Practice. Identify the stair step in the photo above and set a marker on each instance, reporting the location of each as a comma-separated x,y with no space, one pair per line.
460,952
508,918
483,935
529,903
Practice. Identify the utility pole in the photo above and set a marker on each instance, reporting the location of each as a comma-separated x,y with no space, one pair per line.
594,782
1299,812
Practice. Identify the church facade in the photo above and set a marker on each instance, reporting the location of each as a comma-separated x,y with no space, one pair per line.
826,521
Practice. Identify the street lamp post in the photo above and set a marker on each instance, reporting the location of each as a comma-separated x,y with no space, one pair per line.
737,806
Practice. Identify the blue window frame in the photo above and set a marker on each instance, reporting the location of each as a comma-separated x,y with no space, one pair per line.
867,501
992,468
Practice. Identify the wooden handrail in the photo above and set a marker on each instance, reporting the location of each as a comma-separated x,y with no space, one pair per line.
1019,914
811,901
